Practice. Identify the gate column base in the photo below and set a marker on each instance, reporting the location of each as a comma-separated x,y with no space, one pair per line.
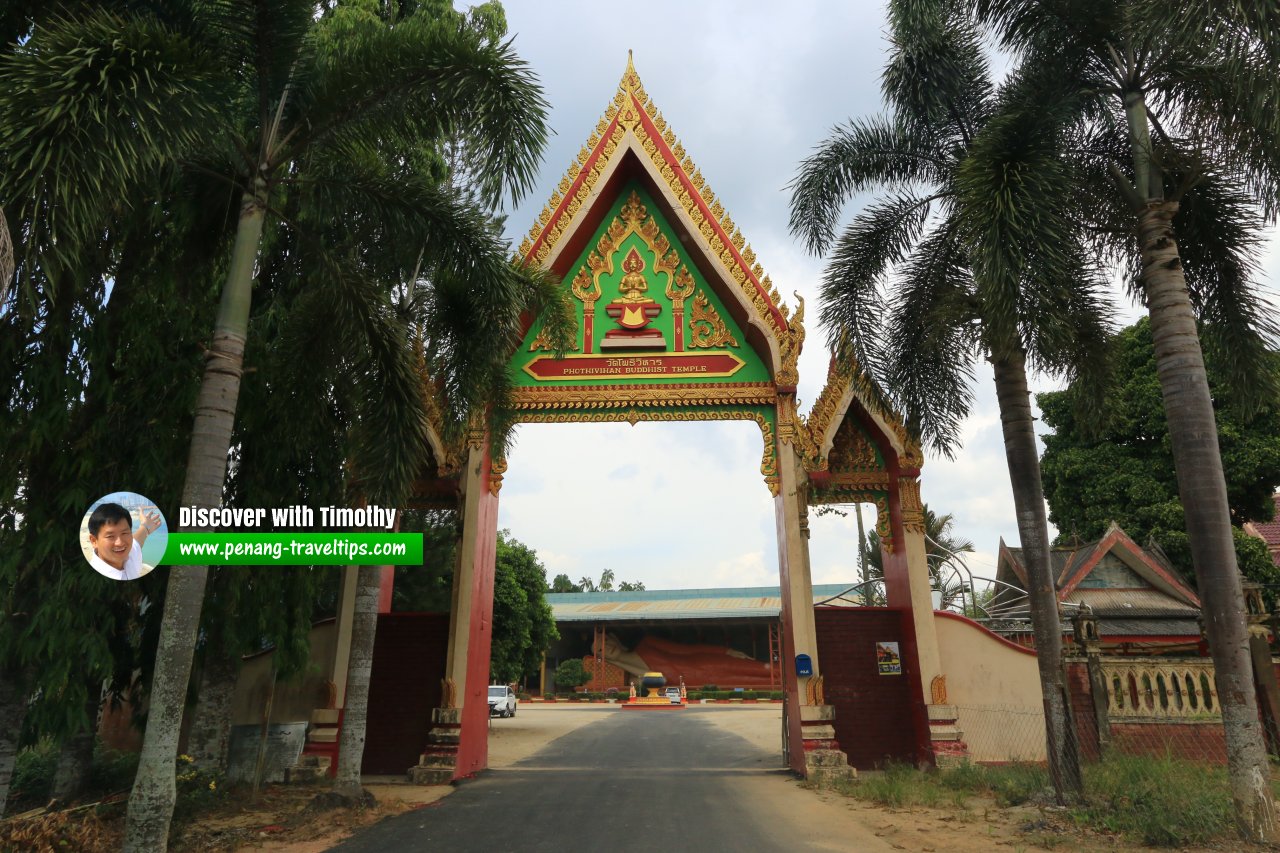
824,761
439,762
946,740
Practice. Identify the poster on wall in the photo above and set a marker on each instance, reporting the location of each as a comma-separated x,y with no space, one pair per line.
888,659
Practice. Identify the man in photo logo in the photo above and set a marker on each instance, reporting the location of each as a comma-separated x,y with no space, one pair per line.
117,549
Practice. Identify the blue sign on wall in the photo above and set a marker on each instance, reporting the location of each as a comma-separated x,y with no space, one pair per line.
804,666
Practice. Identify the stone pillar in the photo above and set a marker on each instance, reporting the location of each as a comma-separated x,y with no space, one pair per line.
458,744
319,757
812,749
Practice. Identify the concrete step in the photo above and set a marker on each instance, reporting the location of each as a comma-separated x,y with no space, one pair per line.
430,775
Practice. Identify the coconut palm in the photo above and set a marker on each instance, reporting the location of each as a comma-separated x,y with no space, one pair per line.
308,122
901,298
1176,107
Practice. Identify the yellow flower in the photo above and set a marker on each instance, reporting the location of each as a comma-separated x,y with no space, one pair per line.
213,785
187,758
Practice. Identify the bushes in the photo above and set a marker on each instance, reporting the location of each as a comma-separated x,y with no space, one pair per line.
32,780
570,674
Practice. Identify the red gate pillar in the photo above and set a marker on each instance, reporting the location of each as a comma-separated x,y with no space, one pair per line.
812,749
459,739
908,587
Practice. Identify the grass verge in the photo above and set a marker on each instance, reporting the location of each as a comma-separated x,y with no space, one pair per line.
1160,801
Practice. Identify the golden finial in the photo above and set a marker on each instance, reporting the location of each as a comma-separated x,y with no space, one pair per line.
630,79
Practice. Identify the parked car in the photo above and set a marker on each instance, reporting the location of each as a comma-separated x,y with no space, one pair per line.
502,701
673,693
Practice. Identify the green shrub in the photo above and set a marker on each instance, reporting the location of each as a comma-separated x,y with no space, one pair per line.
776,694
112,771
33,770
710,688
198,791
570,674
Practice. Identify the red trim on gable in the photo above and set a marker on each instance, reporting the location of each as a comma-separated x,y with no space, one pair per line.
1018,570
676,166
965,619
573,189
1117,537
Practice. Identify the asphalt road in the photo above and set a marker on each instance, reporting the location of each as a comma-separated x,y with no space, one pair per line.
633,781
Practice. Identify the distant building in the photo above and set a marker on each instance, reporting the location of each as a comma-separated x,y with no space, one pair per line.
726,637
1141,604
1268,531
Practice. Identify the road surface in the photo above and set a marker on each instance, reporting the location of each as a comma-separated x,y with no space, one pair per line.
629,781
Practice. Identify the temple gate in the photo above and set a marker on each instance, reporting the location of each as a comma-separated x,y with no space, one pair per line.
676,321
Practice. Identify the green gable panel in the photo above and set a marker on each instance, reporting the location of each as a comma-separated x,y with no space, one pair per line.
654,318
1112,573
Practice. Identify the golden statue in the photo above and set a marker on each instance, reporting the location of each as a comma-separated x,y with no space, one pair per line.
633,311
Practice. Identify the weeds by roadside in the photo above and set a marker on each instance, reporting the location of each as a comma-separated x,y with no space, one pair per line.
1156,801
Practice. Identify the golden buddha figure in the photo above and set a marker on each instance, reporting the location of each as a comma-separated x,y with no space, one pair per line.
633,310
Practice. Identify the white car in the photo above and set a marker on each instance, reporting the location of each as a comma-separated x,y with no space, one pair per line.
502,701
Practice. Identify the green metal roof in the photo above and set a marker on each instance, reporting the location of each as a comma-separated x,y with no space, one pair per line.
663,604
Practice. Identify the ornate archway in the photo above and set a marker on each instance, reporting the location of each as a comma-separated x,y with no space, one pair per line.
676,321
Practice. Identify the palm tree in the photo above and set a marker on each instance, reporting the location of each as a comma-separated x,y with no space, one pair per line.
919,345
329,119
942,547
1175,109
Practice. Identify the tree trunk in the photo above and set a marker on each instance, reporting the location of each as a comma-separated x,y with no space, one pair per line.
154,789
211,728
355,713
6,276
1033,531
1202,488
13,707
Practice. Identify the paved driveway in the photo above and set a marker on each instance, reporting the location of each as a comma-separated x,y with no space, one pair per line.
630,781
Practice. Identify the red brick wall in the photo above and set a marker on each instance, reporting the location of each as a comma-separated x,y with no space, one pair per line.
408,662
1086,722
874,720
1191,741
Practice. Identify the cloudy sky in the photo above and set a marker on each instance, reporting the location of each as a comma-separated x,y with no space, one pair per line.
749,88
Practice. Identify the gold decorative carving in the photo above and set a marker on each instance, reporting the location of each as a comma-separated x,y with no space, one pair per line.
839,383
627,112
706,329
476,431
496,469
448,693
542,343
884,524
643,396
814,691
790,343
912,506
852,451
938,690
634,218
769,459
680,289
584,287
